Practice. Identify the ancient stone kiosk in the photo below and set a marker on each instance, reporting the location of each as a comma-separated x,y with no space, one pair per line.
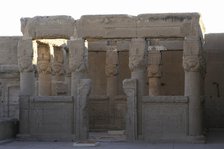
141,75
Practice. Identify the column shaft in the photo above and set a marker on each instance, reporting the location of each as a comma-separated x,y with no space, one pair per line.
44,87
193,91
44,69
27,83
193,63
154,86
137,65
111,71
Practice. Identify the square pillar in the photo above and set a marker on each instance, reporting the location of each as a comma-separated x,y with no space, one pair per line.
137,65
78,62
81,106
131,91
111,71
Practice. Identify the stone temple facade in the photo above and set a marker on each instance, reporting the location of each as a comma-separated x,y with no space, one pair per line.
156,76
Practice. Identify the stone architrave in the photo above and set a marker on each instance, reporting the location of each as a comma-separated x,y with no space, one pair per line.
44,69
48,27
25,58
130,89
137,65
193,64
81,106
78,62
154,71
111,71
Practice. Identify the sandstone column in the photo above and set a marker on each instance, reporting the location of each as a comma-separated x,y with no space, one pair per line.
137,65
130,89
58,69
193,64
154,72
27,81
78,63
80,87
44,69
25,57
82,118
67,72
111,71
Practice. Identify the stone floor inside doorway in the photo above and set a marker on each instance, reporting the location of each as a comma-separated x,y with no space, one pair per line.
108,140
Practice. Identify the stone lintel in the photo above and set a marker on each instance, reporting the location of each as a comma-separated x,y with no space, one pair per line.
123,44
52,99
156,48
192,46
106,26
144,25
9,69
40,27
165,99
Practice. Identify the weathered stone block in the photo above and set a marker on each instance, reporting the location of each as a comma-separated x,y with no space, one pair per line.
8,50
106,26
131,91
48,27
164,25
165,118
51,118
100,45
8,128
82,118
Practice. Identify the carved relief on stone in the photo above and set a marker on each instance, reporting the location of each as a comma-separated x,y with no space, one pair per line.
25,55
130,89
154,71
82,118
43,67
111,68
25,64
78,60
43,59
193,63
58,67
154,61
137,54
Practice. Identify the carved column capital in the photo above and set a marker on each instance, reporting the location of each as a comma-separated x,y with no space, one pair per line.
57,66
154,61
78,60
194,63
43,59
111,68
43,67
25,55
154,71
137,54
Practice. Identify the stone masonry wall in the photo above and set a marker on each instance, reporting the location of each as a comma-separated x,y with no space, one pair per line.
9,77
214,81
